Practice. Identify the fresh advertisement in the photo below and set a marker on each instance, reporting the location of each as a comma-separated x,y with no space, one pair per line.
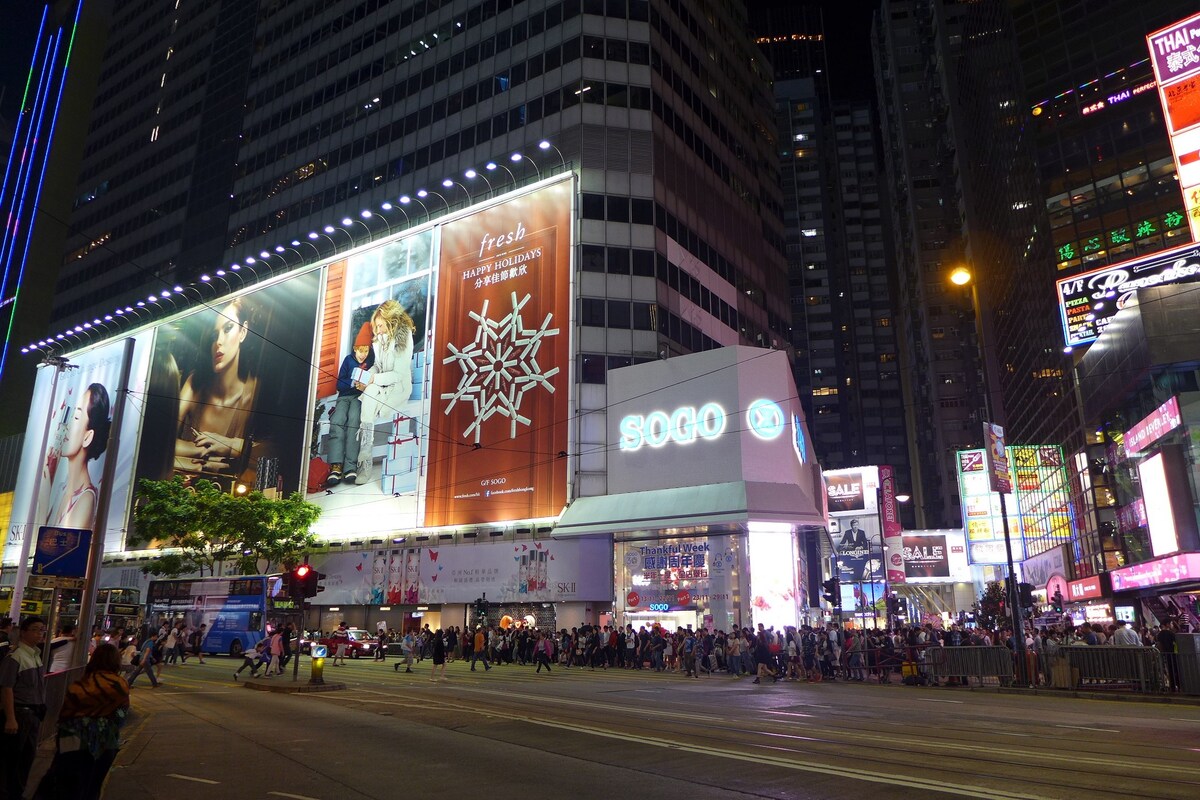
498,435
890,512
1175,53
68,471
226,399
858,549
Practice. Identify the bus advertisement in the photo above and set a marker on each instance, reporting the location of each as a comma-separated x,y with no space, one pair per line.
238,611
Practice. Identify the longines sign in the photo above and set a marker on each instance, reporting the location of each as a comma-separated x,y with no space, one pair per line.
1088,302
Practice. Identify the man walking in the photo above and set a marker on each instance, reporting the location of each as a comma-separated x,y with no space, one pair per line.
146,662
407,644
23,697
478,653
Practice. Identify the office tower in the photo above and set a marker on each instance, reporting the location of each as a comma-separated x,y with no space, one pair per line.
839,261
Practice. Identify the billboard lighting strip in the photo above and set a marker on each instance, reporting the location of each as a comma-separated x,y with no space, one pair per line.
80,334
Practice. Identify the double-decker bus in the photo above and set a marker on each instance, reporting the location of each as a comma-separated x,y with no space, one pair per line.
239,610
119,607
35,602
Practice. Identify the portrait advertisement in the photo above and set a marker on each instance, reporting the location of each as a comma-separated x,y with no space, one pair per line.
372,401
227,392
68,470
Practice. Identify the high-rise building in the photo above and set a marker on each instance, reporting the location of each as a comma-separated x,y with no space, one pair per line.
839,260
916,43
221,132
1109,189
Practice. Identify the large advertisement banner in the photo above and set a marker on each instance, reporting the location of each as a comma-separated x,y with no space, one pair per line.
498,435
71,464
227,395
542,571
372,379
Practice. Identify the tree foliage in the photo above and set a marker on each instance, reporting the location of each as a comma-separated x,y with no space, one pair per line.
992,604
202,526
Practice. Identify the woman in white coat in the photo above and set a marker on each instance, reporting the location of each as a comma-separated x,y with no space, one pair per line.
391,380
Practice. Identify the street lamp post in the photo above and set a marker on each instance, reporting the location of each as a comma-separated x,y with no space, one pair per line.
961,276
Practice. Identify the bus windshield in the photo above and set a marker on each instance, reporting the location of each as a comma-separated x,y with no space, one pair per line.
238,610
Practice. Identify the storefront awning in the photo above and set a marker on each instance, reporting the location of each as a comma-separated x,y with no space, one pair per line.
734,503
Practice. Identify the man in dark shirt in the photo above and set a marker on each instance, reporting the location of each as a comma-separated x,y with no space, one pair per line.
23,701
1166,645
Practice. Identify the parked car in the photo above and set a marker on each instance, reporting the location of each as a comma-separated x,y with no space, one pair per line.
362,643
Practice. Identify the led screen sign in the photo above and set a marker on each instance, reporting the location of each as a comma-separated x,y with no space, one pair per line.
1156,425
1088,302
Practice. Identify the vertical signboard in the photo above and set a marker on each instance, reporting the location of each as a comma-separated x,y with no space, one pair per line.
996,459
1175,53
981,513
498,431
889,511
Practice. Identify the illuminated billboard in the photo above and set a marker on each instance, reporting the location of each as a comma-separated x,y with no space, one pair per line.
1039,508
68,471
1088,302
499,435
423,380
1175,53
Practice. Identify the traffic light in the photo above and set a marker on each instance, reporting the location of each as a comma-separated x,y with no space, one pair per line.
1025,590
304,582
481,609
1056,602
833,592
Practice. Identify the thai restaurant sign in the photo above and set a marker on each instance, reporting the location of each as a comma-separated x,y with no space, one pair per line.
1175,52
1156,425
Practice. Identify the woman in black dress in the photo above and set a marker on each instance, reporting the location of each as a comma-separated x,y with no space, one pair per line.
439,656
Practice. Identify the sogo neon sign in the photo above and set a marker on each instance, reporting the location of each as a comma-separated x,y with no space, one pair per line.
684,425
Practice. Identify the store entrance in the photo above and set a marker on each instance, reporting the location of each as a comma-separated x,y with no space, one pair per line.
670,621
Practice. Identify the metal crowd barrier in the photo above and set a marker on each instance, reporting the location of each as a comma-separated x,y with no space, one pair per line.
56,693
1140,666
970,661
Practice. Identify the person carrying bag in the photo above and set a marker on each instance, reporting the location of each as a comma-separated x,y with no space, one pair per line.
88,730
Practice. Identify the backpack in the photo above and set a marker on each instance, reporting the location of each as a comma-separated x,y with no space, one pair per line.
318,471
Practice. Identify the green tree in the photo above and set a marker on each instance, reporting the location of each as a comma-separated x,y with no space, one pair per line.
992,604
203,526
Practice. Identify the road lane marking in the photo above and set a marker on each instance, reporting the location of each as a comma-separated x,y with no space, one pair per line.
1086,728
1186,719
1009,733
193,780
295,796
788,713
889,778
933,700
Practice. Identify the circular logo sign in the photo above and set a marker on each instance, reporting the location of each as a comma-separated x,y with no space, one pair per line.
684,598
765,418
632,559
897,560
633,599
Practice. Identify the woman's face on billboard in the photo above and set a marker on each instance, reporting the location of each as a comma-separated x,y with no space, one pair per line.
77,428
230,333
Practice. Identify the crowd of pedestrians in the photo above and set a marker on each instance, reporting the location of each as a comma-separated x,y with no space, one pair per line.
807,653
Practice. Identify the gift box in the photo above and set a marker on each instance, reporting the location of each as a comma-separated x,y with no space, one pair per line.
399,484
398,449
361,375
401,427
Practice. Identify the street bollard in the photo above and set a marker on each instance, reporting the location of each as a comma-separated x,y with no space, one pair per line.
317,674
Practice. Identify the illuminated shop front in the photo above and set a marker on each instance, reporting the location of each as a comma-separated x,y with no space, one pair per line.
713,493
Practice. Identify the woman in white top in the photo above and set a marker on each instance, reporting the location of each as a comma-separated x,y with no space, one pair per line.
391,380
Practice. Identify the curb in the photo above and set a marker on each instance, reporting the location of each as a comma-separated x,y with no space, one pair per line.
1171,700
293,688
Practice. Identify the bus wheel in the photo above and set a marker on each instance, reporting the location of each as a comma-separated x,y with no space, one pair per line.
235,649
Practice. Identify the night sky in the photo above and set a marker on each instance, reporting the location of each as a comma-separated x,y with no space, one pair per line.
17,35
